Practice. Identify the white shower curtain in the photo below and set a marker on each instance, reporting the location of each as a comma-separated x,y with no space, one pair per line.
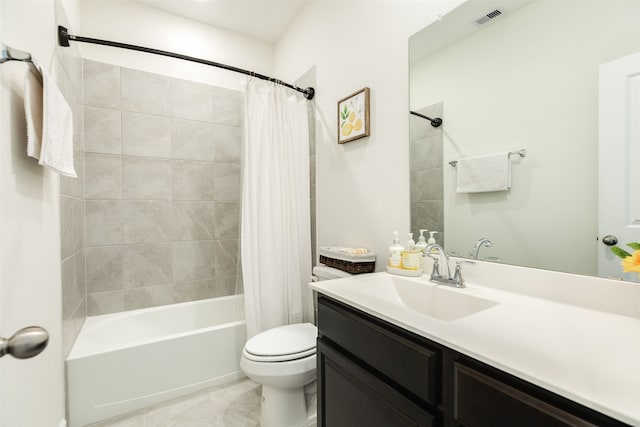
276,229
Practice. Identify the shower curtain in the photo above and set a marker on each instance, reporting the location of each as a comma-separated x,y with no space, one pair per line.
275,224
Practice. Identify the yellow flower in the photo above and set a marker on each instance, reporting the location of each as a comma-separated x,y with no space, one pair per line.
631,263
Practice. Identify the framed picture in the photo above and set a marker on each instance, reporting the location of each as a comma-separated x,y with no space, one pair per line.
353,116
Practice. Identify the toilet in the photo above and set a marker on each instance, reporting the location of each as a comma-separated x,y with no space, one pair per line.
283,360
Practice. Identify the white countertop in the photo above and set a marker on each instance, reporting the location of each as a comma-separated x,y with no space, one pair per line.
589,356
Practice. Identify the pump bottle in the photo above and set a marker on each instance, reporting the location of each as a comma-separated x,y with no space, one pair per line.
395,252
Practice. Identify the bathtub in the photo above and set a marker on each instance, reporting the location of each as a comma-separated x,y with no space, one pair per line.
125,361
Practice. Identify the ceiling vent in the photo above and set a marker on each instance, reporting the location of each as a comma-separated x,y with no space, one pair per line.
488,17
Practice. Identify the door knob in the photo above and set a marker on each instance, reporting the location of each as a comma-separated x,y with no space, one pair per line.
609,240
25,343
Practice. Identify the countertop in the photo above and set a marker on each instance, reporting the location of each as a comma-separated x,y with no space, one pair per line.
589,356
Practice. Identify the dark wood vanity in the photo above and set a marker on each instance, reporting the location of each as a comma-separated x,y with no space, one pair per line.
374,374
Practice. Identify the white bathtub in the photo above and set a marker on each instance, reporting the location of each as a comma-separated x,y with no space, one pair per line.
125,361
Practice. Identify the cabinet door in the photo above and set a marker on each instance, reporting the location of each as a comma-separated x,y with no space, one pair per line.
350,396
480,400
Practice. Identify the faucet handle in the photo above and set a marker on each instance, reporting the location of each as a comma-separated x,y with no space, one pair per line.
457,276
436,268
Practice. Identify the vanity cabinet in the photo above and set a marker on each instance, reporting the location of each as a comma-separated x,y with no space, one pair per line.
374,374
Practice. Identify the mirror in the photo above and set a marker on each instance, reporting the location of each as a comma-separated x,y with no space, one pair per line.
526,79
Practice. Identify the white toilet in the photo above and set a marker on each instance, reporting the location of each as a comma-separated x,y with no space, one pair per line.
283,360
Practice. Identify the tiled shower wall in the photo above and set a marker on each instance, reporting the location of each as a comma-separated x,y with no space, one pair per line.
162,189
427,203
68,74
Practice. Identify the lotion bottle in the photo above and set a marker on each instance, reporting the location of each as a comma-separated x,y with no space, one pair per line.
421,246
422,243
411,256
395,252
432,240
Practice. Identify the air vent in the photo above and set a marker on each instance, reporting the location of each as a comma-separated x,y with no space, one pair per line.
488,17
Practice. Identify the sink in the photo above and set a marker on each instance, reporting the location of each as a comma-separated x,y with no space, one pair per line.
421,296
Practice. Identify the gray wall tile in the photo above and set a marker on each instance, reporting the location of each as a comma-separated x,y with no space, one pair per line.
180,210
192,140
191,100
228,141
428,215
426,184
146,265
147,221
103,222
74,186
193,220
146,135
226,182
149,296
426,153
226,257
145,178
193,261
224,286
73,283
192,180
228,107
71,230
105,303
192,291
101,84
102,130
103,176
227,220
144,92
104,268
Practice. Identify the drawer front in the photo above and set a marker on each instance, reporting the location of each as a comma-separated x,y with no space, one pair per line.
412,366
480,400
352,397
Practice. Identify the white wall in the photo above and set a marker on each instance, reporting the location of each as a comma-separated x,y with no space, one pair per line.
136,23
362,186
31,391
529,80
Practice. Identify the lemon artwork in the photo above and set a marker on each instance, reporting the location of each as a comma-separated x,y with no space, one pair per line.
349,121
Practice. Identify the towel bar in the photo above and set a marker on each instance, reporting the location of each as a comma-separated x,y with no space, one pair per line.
521,153
10,54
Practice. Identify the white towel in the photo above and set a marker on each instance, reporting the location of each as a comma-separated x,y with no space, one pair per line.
484,173
33,111
49,124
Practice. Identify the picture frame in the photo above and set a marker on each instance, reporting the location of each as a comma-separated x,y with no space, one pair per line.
353,116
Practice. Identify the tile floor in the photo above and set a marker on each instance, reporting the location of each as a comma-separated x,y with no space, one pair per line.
232,405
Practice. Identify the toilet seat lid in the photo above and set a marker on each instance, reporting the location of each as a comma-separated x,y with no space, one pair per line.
289,340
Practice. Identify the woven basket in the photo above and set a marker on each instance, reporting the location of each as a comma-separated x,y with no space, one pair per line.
349,267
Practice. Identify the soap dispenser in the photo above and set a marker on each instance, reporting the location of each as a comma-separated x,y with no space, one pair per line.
431,241
422,243
421,246
410,256
395,252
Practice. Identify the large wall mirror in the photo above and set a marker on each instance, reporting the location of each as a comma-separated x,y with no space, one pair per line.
533,77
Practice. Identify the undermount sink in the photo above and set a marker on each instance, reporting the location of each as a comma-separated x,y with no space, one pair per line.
423,297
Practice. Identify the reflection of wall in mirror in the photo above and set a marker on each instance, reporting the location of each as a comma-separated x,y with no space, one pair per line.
425,165
529,80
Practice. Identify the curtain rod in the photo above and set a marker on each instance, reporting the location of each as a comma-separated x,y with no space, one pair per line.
64,37
434,122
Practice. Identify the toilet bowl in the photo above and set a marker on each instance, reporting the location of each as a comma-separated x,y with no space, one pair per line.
283,360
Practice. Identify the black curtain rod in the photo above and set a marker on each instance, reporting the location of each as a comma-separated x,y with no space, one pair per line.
64,37
434,122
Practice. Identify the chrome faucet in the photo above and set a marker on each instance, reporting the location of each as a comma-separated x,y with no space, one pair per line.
444,279
480,243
